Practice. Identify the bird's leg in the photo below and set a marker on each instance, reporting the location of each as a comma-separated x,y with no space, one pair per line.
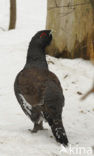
37,126
37,119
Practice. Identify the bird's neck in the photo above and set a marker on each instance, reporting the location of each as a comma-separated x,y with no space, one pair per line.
36,57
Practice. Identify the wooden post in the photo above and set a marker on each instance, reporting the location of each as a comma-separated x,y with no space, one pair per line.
12,23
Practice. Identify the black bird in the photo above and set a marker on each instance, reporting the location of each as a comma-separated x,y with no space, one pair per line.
38,90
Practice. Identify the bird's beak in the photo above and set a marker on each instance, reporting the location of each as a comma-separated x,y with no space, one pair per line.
51,32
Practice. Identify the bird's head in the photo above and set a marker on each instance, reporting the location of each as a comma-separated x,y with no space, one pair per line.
42,38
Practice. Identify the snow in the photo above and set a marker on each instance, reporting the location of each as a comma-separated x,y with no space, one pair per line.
76,76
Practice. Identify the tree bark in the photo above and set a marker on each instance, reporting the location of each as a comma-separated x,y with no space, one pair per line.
12,23
73,25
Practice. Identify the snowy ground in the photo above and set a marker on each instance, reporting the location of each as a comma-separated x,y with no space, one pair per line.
76,77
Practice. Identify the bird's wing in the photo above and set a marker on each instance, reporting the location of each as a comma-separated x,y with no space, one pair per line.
31,85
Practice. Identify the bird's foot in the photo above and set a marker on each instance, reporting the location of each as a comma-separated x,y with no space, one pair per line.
35,131
37,127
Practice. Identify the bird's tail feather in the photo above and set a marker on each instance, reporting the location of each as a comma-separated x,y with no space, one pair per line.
59,132
57,129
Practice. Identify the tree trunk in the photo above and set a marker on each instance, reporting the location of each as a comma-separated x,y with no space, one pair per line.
73,25
12,14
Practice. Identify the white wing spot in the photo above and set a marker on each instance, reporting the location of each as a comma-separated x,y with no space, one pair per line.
26,105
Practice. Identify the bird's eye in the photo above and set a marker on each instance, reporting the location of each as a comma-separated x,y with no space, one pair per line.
43,35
